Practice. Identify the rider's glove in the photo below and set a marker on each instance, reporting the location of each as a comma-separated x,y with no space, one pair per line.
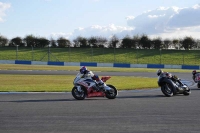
175,77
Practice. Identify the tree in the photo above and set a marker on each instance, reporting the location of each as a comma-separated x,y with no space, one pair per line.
145,42
176,43
157,43
30,41
136,41
167,43
42,42
113,42
53,43
93,42
62,42
127,42
101,42
76,43
197,43
17,41
83,42
3,41
188,43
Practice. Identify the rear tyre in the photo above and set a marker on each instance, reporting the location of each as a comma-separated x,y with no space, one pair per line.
79,95
167,90
112,93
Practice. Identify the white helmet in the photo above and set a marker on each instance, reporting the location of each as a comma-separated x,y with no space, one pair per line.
159,71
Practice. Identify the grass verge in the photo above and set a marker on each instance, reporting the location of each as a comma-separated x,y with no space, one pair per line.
57,83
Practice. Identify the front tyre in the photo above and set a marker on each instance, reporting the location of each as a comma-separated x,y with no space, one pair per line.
167,90
79,95
187,92
198,85
112,93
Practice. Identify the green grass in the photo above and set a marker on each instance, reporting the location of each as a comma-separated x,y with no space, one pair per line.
103,55
63,83
57,83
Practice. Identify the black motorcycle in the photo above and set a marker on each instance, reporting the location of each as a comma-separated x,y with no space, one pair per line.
197,79
171,85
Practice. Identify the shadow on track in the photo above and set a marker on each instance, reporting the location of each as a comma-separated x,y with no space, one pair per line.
196,89
147,96
44,100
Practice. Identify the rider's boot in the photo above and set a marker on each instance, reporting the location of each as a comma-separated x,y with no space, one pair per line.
101,84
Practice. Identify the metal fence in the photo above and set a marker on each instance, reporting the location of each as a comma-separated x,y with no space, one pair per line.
102,55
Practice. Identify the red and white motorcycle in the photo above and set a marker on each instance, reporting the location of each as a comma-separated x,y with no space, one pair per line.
89,88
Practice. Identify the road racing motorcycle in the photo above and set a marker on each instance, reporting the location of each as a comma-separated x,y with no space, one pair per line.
86,88
197,79
172,85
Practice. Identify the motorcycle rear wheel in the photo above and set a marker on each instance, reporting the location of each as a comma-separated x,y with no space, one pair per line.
79,95
167,90
111,94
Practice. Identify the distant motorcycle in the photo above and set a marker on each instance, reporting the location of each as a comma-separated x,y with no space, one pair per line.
171,86
89,88
197,79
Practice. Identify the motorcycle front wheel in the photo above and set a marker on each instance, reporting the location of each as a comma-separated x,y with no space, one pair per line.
198,85
79,95
187,92
112,93
167,90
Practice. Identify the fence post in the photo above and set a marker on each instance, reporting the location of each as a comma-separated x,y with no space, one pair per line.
137,54
114,54
48,52
69,50
32,52
17,52
160,57
91,53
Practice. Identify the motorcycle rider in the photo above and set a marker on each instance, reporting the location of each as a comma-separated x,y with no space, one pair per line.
194,72
89,74
174,78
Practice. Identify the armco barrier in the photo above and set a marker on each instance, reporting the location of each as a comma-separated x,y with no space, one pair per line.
88,64
94,64
55,63
121,65
23,62
189,67
155,66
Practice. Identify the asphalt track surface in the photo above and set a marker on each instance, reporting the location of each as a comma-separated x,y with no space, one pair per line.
139,111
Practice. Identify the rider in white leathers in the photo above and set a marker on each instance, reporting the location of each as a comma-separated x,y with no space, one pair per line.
87,74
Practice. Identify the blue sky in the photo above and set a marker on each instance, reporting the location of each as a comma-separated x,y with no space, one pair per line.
72,18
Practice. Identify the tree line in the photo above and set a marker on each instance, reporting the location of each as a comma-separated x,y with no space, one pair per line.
135,42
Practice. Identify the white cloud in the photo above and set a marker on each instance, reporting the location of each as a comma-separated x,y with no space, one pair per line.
3,8
61,34
187,17
130,17
179,33
105,31
165,22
